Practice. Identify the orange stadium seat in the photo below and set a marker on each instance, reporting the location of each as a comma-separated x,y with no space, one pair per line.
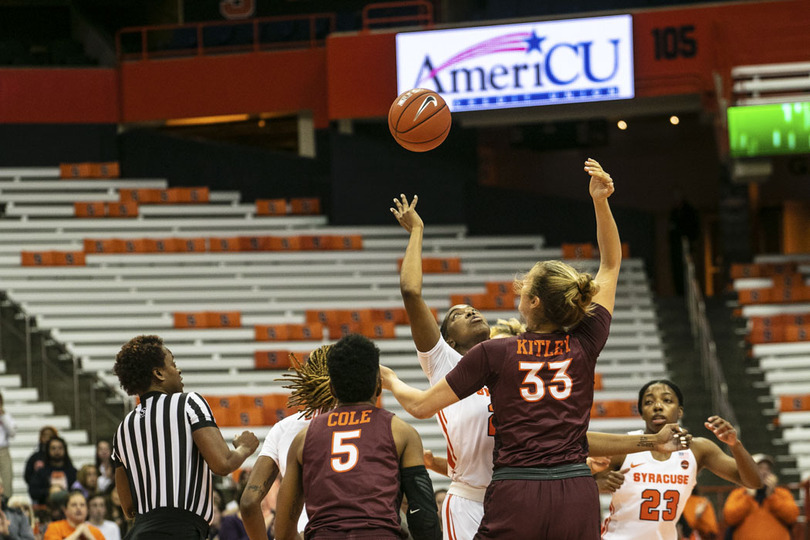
161,245
192,319
216,244
253,243
500,287
794,403
305,206
224,319
244,417
271,332
597,381
578,251
36,258
350,242
141,196
289,332
279,359
75,170
614,409
191,245
271,207
134,245
122,209
394,315
438,265
90,209
754,296
311,242
69,258
110,169
797,332
108,245
275,408
284,243
328,317
766,334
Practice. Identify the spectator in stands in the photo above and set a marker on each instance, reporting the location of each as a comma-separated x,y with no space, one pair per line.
58,471
767,512
14,525
97,516
86,480
698,521
37,460
74,526
106,471
23,504
8,428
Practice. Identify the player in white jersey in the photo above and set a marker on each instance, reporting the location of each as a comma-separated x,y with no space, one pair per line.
467,425
650,489
311,392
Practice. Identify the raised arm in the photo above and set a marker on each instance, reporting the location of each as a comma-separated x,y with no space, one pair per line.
261,478
740,469
607,235
424,329
418,403
215,451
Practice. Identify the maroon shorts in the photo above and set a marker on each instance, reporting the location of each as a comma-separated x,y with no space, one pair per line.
565,509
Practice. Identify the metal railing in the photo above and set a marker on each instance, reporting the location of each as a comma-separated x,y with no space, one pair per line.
46,367
218,37
702,333
391,14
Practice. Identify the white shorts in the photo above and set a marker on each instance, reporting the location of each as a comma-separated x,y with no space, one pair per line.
460,517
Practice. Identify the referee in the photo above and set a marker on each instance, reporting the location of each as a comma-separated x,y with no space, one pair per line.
166,449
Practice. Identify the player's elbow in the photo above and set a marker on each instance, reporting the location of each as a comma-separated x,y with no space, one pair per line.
410,291
421,411
753,483
249,503
222,466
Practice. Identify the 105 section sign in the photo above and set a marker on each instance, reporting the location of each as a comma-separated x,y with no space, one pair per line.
521,65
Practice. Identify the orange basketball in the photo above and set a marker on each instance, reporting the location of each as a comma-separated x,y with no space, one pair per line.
419,120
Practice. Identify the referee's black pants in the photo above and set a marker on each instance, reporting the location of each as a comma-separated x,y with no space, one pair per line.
168,523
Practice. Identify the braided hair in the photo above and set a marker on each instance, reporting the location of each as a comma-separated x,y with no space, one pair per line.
310,384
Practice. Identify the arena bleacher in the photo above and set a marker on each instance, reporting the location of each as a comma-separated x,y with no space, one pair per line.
234,288
774,295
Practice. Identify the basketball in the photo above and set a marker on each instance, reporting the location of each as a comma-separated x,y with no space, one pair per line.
419,120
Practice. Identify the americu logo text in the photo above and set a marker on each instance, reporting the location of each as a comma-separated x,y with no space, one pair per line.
521,64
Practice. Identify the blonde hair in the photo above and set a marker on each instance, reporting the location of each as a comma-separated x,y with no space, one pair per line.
503,328
310,383
565,294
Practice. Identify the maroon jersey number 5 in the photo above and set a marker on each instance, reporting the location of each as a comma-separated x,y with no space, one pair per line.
344,454
534,389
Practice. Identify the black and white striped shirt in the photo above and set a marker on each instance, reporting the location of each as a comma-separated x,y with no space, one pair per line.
164,467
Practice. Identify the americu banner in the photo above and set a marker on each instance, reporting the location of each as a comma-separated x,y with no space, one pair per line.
521,65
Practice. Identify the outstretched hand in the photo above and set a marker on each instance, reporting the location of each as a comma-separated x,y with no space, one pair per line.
722,429
672,438
406,213
387,376
601,186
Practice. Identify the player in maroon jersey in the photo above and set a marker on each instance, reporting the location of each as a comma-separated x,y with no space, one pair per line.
351,465
541,385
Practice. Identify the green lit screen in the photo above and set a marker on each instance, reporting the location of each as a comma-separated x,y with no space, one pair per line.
767,130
